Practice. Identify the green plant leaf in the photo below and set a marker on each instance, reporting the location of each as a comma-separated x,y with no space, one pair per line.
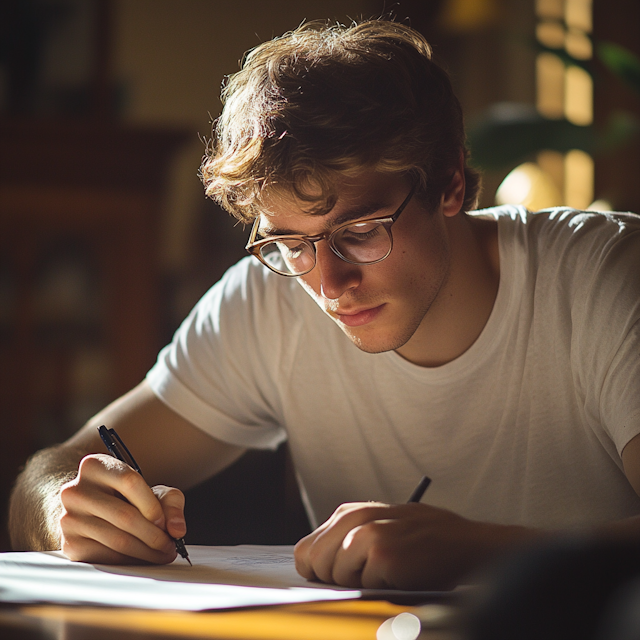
622,127
508,133
620,61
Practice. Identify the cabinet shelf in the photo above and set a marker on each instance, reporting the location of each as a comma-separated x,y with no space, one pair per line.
80,212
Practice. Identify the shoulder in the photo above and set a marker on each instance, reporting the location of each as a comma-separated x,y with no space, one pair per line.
250,315
250,285
587,228
518,214
253,308
590,244
559,220
566,232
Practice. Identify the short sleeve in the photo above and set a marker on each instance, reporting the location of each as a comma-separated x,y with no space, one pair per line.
607,326
220,369
620,400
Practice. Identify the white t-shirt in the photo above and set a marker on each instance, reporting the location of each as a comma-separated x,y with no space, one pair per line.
525,427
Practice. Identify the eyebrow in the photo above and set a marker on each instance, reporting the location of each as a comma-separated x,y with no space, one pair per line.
361,211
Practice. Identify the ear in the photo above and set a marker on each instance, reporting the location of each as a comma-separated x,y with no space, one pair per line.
453,195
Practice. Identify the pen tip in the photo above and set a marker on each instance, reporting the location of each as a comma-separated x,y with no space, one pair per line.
189,561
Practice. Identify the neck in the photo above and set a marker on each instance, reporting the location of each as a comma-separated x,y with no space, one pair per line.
464,303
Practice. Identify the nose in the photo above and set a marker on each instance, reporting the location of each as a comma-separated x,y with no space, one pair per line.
336,275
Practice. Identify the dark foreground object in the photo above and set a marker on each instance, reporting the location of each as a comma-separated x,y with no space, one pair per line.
572,589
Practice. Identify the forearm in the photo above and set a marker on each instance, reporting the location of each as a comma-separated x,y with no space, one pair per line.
498,539
34,509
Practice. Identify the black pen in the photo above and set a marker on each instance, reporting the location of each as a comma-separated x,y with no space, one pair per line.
118,449
418,492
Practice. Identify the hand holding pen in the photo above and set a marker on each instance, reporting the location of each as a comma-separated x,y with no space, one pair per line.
366,544
119,450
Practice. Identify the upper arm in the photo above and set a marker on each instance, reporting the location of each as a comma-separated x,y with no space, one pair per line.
168,448
631,462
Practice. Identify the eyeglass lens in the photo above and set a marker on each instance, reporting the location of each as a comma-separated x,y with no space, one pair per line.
361,243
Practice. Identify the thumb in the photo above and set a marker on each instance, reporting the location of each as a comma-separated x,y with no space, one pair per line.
172,501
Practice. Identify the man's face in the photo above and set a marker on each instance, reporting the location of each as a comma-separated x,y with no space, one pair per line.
380,307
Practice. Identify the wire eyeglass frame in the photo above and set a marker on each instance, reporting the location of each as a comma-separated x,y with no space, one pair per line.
254,247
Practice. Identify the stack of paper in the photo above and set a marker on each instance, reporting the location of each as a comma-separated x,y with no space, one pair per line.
220,578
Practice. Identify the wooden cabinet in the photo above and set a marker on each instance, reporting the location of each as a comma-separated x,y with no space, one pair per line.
80,211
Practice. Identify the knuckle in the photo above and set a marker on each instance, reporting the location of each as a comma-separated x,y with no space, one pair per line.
303,569
314,554
66,492
177,497
67,523
382,554
121,541
349,507
318,563
375,534
157,540
125,515
359,535
75,547
170,496
71,549
129,479
89,464
70,495
301,547
372,530
70,483
358,513
373,537
66,519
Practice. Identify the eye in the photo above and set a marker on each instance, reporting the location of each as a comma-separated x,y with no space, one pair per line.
361,231
362,227
290,249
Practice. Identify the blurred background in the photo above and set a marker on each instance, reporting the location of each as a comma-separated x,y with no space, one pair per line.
106,240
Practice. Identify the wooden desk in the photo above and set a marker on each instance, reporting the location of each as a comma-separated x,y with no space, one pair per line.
353,620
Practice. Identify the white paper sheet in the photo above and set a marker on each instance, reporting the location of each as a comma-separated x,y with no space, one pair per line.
221,578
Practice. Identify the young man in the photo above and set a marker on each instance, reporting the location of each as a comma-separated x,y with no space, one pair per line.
387,335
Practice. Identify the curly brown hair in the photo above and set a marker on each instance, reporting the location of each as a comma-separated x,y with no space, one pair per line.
328,101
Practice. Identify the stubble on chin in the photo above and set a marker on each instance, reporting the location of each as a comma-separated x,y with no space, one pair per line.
370,339
391,334
374,341
383,334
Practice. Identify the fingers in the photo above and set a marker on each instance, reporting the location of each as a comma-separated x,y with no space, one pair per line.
107,472
93,539
109,514
316,554
351,560
409,546
172,503
361,561
87,550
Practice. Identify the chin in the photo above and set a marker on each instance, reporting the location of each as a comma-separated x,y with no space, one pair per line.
376,344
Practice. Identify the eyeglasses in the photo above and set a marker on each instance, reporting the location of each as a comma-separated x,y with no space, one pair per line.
362,242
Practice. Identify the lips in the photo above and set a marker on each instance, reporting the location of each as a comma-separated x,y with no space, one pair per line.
357,318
